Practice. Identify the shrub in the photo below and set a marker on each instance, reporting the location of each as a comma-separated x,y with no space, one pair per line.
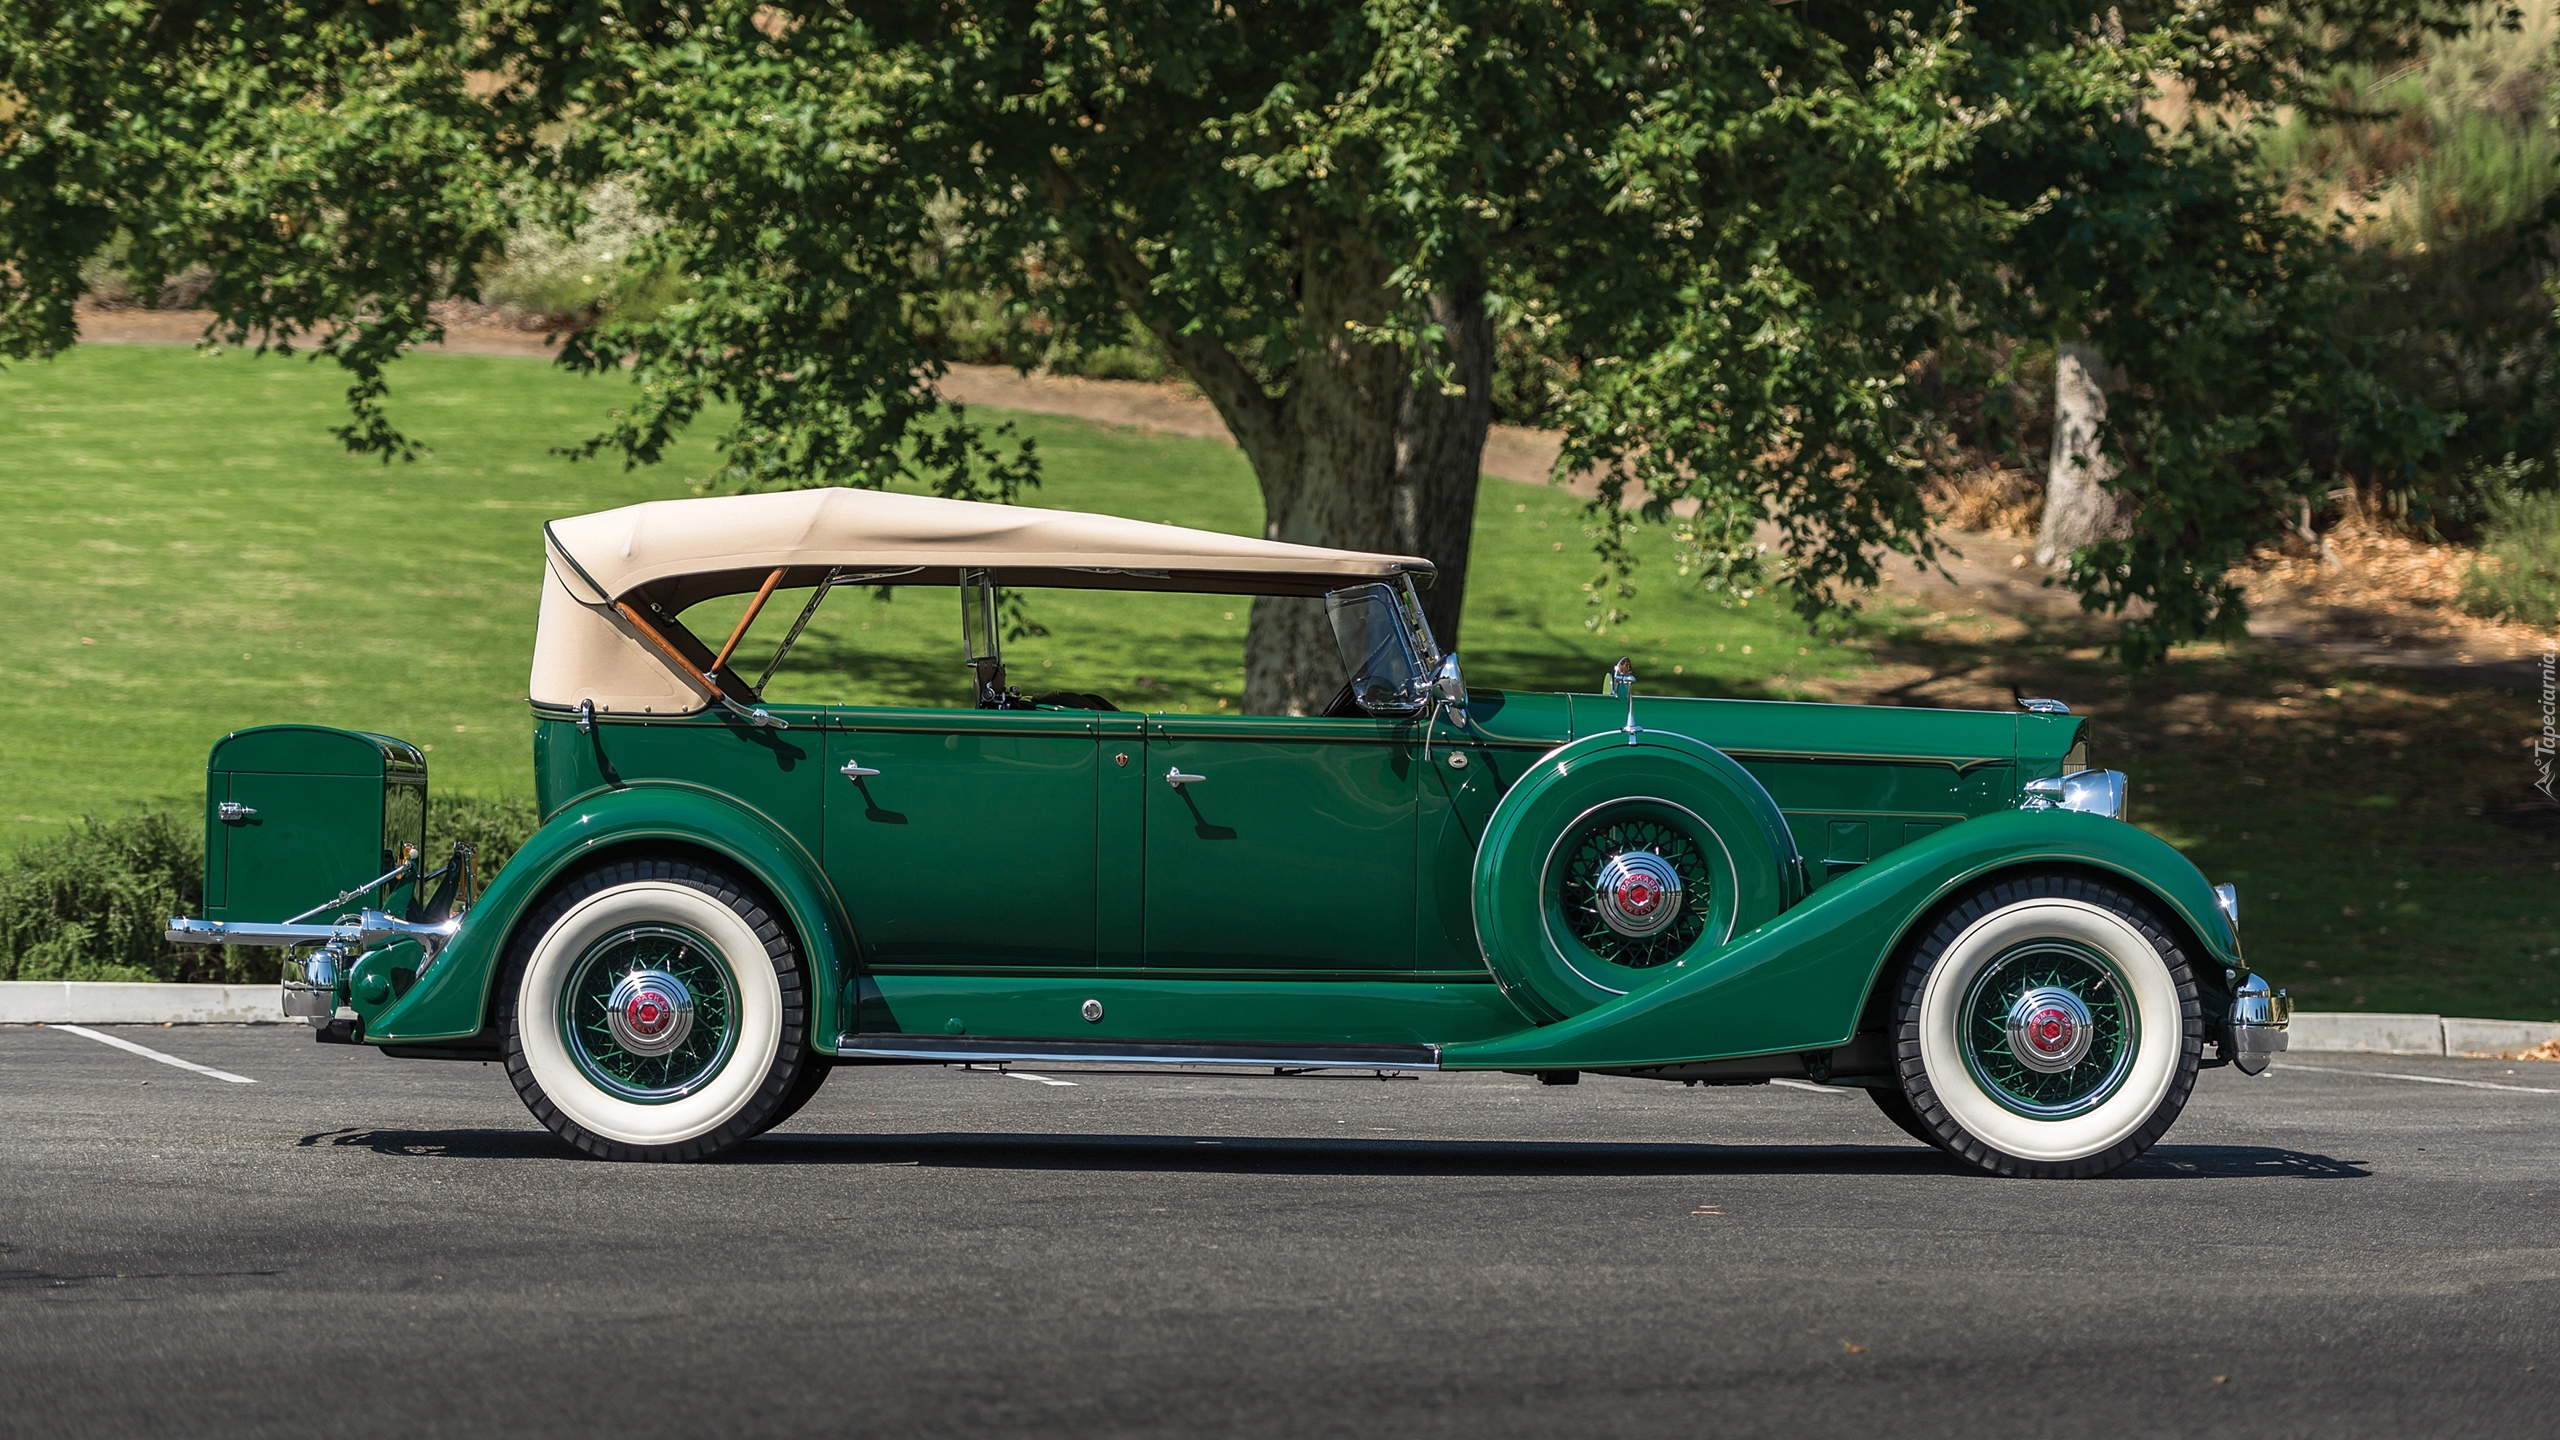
2446,167
2519,577
494,829
95,903
1143,358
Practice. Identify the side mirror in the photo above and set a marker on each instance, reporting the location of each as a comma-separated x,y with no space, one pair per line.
1450,689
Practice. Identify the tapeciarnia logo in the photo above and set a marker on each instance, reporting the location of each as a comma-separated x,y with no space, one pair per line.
2547,744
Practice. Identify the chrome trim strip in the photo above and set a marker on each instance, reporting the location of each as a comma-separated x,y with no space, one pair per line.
846,1048
372,928
1958,763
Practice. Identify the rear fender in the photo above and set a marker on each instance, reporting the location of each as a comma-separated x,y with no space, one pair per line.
451,1001
1800,981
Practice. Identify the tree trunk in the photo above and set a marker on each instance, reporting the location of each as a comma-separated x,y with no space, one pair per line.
1327,469
1365,459
2079,509
1352,456
1440,457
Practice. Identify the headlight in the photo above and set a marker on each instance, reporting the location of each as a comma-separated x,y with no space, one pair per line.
2092,792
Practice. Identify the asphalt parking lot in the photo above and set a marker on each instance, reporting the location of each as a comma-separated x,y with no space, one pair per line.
358,1245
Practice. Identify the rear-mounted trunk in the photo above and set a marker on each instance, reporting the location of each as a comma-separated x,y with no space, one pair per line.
296,815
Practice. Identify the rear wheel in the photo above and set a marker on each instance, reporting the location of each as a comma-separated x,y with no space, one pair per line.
2047,1026
813,1073
655,1010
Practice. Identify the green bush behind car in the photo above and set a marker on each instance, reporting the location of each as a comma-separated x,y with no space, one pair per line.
93,903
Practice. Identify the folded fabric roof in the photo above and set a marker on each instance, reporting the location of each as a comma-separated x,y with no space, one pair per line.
667,555
684,551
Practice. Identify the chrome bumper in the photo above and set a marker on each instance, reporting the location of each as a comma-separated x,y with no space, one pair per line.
2256,1032
311,981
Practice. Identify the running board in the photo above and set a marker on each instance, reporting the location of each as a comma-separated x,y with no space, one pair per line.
959,1050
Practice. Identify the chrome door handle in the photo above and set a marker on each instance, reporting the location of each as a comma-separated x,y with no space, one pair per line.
855,770
1174,777
235,812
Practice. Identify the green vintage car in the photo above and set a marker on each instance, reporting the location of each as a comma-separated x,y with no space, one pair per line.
729,900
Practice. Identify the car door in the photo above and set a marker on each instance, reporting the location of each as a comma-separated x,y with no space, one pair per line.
1279,845
964,839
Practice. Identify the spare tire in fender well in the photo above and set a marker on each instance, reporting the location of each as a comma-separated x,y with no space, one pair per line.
1554,863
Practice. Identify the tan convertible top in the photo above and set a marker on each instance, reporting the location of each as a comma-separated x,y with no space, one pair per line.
616,579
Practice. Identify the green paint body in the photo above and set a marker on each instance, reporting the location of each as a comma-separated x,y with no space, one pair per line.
1001,868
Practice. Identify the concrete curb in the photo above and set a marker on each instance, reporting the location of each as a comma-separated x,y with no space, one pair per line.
80,1002
2386,1034
2380,1033
2495,1037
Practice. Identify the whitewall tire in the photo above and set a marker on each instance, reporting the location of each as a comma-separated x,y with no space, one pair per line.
2047,1025
655,1010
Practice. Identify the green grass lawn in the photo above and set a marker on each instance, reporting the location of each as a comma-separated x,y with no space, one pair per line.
190,552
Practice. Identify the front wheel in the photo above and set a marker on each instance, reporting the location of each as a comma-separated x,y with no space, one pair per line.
2047,1026
655,1010
1896,1107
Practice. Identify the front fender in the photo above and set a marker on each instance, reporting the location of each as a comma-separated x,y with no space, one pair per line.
451,1001
1800,981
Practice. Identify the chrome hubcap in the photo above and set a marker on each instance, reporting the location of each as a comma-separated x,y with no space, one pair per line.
650,1012
2049,1030
1629,887
1637,893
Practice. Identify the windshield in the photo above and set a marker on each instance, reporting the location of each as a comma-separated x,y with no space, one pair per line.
1377,628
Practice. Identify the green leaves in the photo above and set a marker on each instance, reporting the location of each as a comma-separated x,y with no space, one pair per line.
1739,234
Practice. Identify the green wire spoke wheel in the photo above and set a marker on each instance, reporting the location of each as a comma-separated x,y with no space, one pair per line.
656,1009
650,1013
2045,1025
2047,1029
1632,884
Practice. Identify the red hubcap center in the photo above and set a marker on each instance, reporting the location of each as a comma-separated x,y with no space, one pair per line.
648,1015
2050,1030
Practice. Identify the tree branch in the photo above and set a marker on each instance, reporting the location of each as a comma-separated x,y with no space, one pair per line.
1253,416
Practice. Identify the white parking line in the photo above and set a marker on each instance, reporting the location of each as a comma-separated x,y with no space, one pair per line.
1043,1079
2420,1079
1816,1089
148,1053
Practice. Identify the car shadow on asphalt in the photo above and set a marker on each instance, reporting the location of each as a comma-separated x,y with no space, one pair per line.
1322,1156
1266,1155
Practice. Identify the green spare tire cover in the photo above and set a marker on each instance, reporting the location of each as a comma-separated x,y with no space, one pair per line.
1617,861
